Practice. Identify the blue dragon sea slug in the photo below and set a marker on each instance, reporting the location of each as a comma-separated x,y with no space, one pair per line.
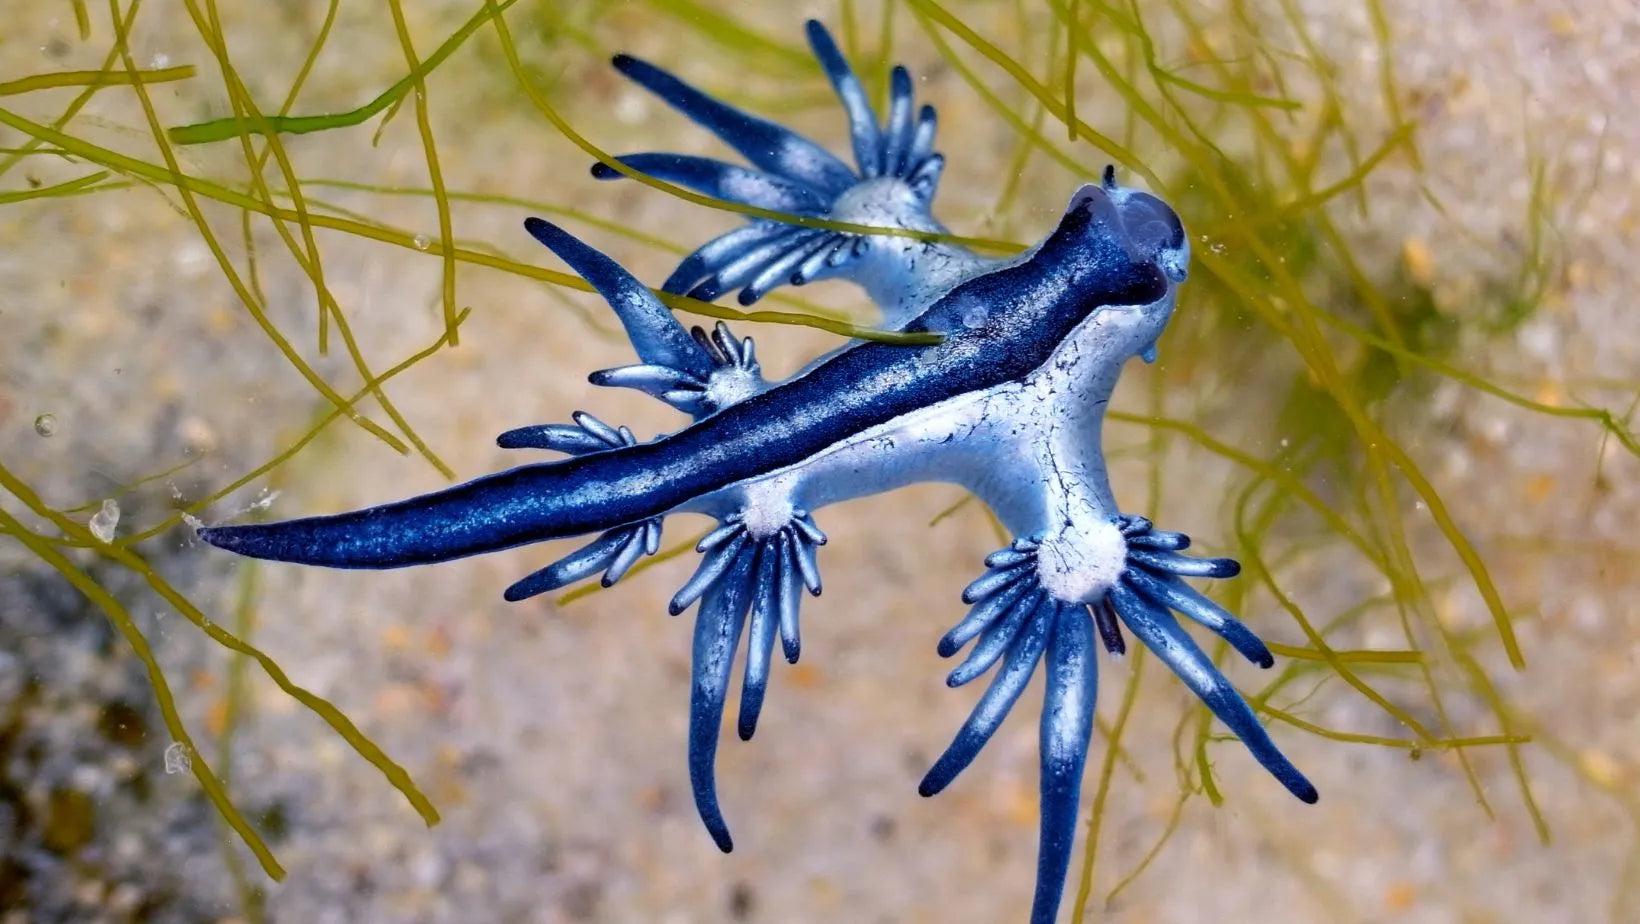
1009,405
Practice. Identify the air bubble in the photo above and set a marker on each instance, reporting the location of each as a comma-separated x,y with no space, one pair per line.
105,521
975,317
45,424
422,241
178,758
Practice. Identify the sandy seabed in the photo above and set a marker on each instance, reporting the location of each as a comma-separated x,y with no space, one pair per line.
551,736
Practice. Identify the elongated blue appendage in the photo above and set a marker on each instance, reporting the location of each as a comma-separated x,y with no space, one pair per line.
1067,726
719,252
897,141
1154,567
1015,621
655,333
796,176
790,599
1162,635
995,641
1184,565
862,119
717,634
922,137
772,147
1148,588
997,701
755,261
1170,594
740,571
760,642
725,181
587,435
736,375
695,372
614,552
566,438
980,618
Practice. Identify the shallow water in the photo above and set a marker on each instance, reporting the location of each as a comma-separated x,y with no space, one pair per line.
550,734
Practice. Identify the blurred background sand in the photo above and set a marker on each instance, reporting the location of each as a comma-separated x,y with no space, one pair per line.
551,737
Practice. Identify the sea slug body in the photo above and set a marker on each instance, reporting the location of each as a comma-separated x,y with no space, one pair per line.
1009,405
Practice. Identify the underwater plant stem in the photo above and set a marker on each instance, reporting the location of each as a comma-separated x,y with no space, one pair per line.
133,166
537,205
289,452
435,175
1071,57
1605,418
231,127
215,792
1109,145
1032,132
250,897
295,90
1096,811
1300,328
78,102
95,80
1255,566
60,189
305,255
335,718
82,19
244,106
711,23
547,110
173,175
1173,818
1285,479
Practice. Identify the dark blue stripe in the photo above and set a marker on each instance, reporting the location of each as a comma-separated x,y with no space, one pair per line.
1033,307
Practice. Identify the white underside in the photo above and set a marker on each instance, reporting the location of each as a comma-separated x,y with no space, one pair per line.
1030,450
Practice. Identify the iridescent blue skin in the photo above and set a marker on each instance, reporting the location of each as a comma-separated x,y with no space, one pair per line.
1009,405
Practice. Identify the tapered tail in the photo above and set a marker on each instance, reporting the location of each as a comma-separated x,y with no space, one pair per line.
528,504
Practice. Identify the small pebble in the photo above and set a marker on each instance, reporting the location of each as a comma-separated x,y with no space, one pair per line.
105,521
45,424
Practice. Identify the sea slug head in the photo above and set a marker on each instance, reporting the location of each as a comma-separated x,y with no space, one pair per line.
1112,229
1154,229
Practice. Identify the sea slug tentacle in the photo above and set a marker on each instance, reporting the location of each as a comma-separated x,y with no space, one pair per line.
771,563
735,376
892,186
1033,626
616,550
695,372
1018,620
